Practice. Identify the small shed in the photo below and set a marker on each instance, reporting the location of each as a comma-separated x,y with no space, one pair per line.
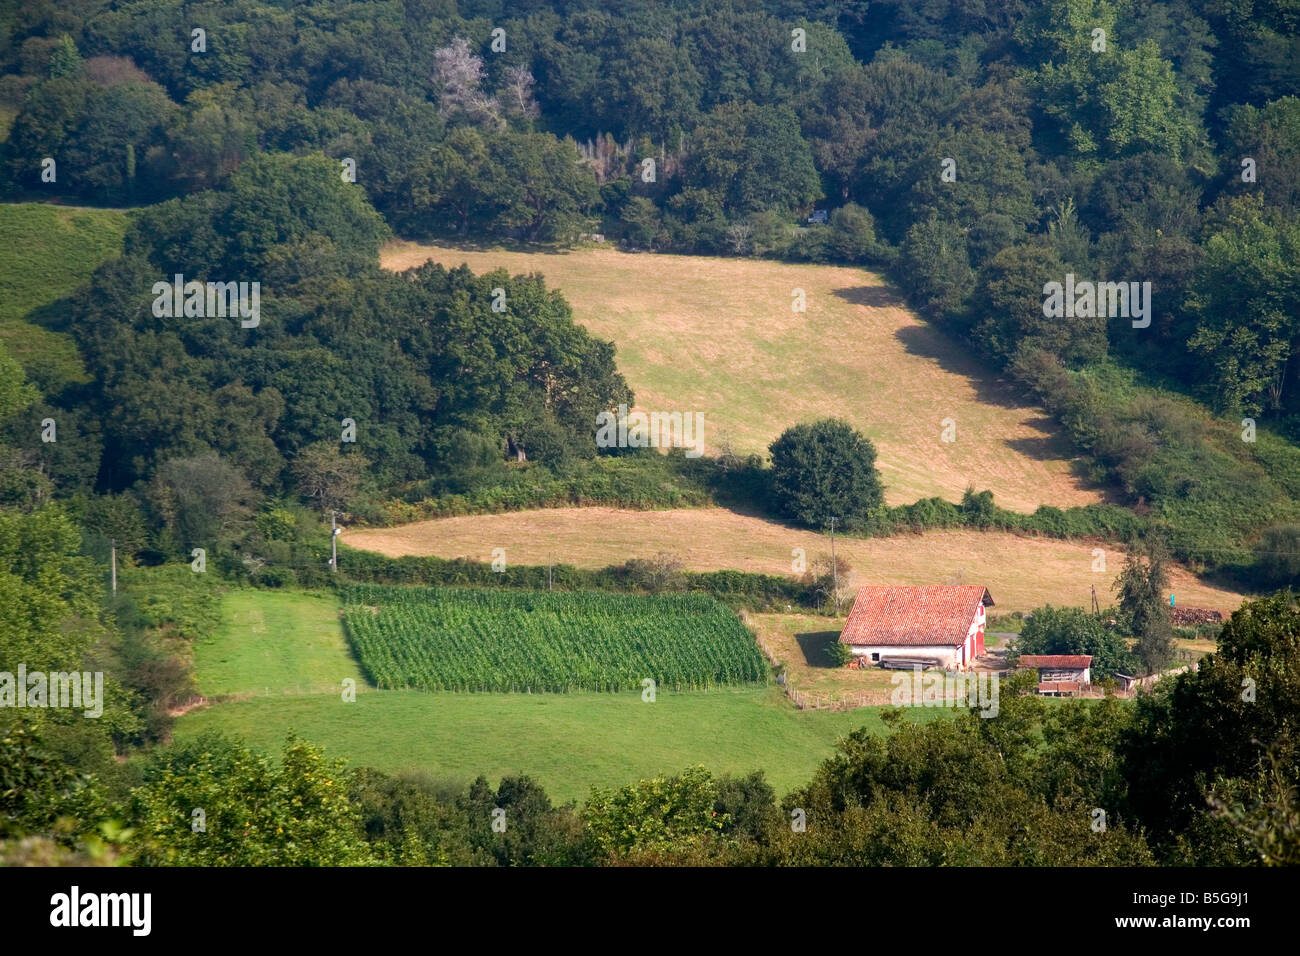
1059,669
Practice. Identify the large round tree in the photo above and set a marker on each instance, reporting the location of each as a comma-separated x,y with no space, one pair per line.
826,470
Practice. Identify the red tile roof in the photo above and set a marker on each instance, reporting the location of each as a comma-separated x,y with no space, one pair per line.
914,616
1056,660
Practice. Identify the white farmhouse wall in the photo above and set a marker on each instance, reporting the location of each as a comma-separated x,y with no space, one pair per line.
1082,675
949,657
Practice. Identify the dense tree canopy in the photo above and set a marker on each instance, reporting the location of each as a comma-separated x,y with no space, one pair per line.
826,470
411,361
981,150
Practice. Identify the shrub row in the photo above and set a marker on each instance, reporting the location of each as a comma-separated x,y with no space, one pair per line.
642,481
736,589
978,511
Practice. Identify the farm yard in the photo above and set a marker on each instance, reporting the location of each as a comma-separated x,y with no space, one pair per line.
1022,572
718,336
802,642
463,639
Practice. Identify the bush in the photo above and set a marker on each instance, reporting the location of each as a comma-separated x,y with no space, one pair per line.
1072,630
853,236
276,524
274,577
826,470
839,654
663,572
977,508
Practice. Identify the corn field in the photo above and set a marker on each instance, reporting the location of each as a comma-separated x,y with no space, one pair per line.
467,639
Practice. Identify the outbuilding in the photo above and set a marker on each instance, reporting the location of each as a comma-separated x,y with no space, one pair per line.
1060,674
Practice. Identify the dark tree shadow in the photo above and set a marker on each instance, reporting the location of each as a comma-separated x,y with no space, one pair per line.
54,315
816,647
929,342
872,296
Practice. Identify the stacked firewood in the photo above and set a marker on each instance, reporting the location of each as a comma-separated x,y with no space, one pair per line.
1189,616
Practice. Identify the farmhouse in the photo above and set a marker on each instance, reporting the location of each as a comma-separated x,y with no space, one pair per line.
930,625
1060,675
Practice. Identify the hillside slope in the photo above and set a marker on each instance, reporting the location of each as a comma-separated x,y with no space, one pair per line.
719,336
1022,573
47,253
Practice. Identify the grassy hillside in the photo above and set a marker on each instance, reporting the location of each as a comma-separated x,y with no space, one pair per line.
1022,573
567,741
277,646
289,642
718,336
46,254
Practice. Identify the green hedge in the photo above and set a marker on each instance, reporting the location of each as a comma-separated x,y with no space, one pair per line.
645,481
736,589
978,511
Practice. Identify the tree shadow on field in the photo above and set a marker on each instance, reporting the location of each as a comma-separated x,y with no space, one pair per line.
1055,445
1049,445
929,342
816,647
872,296
54,315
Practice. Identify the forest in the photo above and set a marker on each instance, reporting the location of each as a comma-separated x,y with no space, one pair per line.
978,150
972,150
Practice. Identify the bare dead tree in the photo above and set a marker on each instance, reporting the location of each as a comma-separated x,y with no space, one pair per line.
458,83
741,237
518,93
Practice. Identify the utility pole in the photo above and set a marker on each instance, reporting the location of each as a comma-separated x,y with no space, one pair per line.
112,543
835,569
333,541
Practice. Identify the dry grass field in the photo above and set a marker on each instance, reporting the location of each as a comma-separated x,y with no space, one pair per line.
719,336
1021,572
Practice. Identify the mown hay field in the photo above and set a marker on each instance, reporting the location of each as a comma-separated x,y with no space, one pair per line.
1021,572
718,336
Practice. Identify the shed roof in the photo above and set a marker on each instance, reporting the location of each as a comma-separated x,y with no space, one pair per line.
1078,661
